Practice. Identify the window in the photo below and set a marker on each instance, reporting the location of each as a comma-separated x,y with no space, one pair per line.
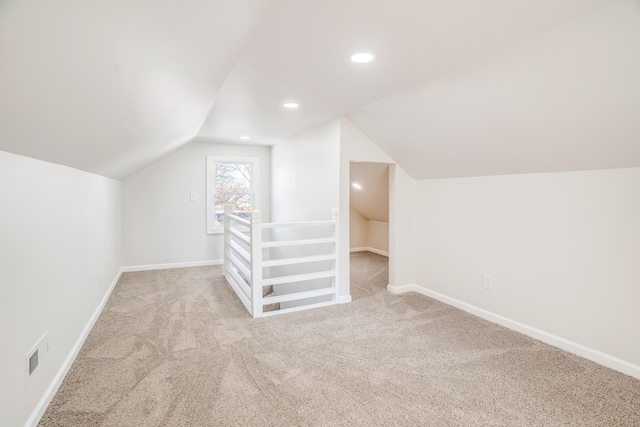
232,181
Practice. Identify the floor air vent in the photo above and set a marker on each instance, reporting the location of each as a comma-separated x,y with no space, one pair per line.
33,362
33,358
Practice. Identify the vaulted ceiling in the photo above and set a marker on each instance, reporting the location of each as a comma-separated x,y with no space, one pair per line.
457,88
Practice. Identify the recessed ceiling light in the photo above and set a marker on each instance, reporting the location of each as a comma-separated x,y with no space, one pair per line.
291,105
357,186
245,137
361,57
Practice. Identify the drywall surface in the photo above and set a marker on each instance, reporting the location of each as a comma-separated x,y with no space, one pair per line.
305,175
59,228
365,233
305,172
356,147
562,249
358,229
378,235
161,225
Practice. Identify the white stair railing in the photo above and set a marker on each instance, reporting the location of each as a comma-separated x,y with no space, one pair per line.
301,281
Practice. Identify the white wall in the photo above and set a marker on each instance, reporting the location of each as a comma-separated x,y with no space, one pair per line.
563,249
365,233
306,175
311,176
378,235
356,147
160,223
358,229
59,228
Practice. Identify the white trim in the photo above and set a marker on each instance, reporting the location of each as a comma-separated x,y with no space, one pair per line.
370,249
344,299
296,308
51,391
556,341
148,267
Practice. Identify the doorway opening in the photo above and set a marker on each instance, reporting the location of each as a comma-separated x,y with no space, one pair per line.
368,228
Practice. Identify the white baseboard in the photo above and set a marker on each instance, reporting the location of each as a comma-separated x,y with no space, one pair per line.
149,267
570,346
344,299
369,249
51,391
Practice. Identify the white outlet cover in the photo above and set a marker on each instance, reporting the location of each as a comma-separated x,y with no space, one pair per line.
488,281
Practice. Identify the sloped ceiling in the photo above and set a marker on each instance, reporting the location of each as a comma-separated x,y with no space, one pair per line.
471,87
106,86
568,99
372,198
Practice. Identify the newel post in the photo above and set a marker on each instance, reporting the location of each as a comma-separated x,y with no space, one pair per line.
226,225
256,264
336,279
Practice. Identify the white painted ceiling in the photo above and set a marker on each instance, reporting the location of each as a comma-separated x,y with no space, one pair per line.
568,99
458,88
108,86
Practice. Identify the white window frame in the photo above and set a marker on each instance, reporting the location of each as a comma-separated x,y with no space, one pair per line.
211,199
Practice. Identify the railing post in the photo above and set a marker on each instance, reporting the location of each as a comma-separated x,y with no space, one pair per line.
256,264
336,265
226,225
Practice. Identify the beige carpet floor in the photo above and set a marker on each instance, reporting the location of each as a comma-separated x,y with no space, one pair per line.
177,348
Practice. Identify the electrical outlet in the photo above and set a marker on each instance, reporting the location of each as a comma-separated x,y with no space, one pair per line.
488,282
192,196
101,277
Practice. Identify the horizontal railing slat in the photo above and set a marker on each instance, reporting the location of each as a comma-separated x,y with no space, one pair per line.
241,283
244,263
240,250
298,242
241,220
232,240
297,278
298,260
297,224
240,236
239,264
238,290
298,295
299,308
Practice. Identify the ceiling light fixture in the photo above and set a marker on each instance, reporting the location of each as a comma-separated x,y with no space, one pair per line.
246,138
291,105
357,186
361,57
